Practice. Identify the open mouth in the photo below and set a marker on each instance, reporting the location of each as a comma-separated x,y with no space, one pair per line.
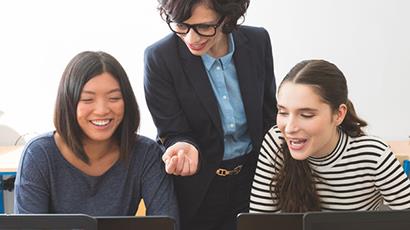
101,123
296,144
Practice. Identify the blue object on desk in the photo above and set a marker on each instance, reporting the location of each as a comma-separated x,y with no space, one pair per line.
2,187
406,167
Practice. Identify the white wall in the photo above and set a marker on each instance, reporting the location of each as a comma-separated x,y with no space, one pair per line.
367,39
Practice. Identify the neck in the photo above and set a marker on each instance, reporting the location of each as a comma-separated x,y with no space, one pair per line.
331,145
98,150
220,48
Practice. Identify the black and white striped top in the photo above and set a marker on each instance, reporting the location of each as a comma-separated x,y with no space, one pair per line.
360,174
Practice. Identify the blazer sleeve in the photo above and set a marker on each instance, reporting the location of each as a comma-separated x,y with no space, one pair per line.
160,63
269,101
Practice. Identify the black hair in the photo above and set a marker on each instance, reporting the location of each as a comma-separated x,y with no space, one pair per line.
83,67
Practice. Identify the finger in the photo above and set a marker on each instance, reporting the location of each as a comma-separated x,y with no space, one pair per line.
170,152
181,161
186,170
193,164
171,164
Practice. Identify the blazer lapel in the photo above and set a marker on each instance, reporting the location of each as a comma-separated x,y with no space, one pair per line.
196,74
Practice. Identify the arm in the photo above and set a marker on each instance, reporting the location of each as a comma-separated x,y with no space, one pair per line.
174,132
157,187
269,102
262,200
162,100
393,182
31,192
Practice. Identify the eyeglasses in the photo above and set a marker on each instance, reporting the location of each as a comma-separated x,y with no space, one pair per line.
206,30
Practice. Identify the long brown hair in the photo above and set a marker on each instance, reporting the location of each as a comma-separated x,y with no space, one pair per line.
295,182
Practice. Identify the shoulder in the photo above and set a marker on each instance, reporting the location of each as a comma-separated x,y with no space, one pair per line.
274,134
146,147
272,141
254,30
38,151
368,143
162,45
368,148
40,144
252,33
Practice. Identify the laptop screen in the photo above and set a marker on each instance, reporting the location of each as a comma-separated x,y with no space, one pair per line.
277,221
357,220
47,221
135,222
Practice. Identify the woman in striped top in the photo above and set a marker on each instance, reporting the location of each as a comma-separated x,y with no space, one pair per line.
318,157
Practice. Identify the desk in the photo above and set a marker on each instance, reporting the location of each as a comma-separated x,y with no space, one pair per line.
9,160
401,149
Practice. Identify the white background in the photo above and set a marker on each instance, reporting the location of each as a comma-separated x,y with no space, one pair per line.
368,39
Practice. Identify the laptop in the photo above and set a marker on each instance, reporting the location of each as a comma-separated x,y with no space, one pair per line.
270,221
47,221
357,220
135,222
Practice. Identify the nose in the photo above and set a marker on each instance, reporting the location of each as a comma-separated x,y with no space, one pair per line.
192,36
101,107
291,125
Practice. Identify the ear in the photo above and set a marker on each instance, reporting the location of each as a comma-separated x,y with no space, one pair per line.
341,114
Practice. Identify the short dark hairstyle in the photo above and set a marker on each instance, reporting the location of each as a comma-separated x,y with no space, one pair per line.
181,10
83,67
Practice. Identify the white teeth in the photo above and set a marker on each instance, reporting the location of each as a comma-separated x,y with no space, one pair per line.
100,122
297,142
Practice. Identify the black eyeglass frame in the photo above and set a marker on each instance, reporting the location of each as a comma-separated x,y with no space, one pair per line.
194,27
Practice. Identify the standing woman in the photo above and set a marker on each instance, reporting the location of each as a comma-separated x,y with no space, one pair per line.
210,88
94,163
318,157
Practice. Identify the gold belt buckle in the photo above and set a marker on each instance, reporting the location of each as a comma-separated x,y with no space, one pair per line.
225,172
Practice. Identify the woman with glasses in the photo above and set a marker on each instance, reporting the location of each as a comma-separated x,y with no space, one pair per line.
210,88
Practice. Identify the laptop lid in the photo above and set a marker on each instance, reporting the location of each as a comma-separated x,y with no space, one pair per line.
357,220
135,222
270,221
47,221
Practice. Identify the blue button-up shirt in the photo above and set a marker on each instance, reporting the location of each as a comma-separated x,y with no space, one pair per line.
224,81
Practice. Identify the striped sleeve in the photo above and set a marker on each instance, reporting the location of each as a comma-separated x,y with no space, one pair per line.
392,182
269,162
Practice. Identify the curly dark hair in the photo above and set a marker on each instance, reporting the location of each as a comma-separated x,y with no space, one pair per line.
181,10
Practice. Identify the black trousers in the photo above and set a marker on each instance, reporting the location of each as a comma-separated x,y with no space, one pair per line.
226,197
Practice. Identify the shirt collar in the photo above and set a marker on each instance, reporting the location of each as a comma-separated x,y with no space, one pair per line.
225,60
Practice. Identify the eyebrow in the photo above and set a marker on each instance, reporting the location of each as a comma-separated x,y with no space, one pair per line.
212,22
109,92
305,109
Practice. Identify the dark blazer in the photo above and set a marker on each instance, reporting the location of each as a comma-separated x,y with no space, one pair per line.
184,108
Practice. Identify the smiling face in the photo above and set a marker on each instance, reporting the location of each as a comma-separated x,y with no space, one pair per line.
306,121
198,45
100,109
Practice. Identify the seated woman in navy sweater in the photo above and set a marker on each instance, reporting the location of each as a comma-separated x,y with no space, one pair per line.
94,163
318,157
